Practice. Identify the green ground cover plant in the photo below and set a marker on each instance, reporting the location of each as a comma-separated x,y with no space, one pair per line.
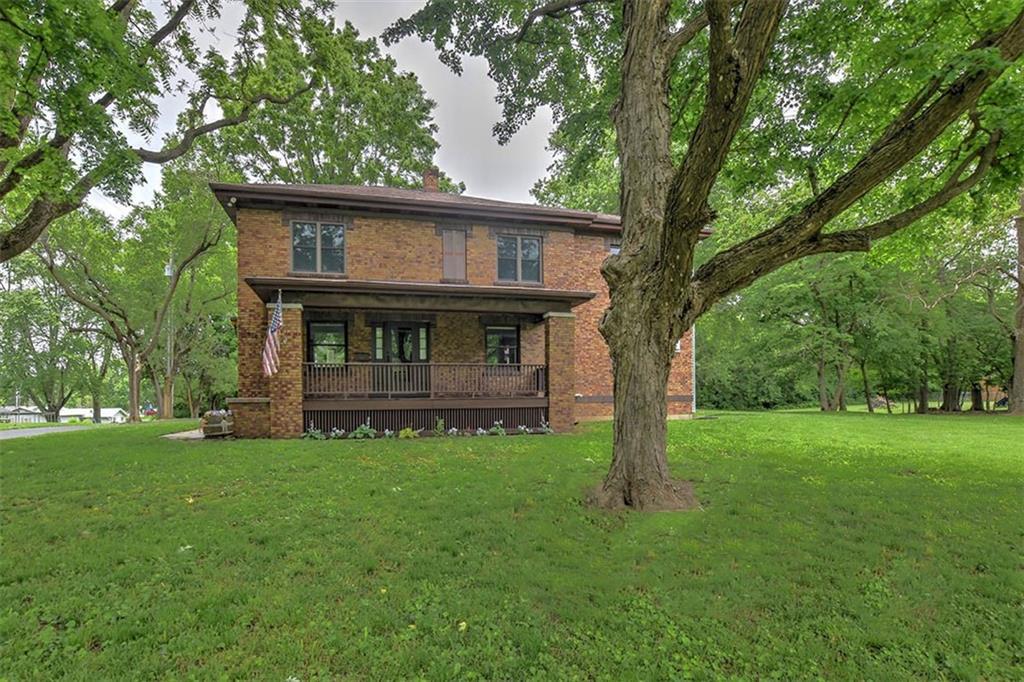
844,546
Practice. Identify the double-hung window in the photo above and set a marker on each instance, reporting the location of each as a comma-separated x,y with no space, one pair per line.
328,343
519,258
318,247
501,345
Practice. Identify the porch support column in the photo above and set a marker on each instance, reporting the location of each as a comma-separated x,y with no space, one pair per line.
560,355
286,384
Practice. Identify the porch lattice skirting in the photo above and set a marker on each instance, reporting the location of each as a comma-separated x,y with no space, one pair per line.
462,418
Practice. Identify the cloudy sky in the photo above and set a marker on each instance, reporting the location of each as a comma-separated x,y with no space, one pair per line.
465,112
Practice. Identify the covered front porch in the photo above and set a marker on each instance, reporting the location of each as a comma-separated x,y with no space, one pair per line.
410,354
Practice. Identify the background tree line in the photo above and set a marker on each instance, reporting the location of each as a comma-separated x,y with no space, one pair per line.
138,310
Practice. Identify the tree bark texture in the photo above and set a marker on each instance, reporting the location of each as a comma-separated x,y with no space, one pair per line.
867,386
977,398
655,292
1017,388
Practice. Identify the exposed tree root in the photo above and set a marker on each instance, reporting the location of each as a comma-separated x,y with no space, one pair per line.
671,495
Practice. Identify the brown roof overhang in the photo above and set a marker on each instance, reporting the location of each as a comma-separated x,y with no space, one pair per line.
420,296
411,203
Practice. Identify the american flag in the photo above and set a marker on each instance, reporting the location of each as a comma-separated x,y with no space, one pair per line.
270,348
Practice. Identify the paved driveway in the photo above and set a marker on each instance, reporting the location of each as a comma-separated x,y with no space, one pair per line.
25,433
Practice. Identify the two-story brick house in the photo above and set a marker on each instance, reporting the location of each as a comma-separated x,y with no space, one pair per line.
403,306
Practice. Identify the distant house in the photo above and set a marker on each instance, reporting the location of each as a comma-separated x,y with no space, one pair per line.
29,414
20,414
108,415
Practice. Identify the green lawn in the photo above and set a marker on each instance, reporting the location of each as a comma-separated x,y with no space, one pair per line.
841,546
8,426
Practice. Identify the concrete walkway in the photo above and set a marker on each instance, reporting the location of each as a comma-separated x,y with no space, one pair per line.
195,434
7,434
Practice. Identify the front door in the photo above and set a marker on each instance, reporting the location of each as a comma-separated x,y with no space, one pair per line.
407,350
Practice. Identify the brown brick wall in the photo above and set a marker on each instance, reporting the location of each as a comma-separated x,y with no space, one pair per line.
251,417
458,337
286,384
560,332
263,249
593,363
410,250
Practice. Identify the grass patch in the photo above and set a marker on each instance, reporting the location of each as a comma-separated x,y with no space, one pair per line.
843,546
10,426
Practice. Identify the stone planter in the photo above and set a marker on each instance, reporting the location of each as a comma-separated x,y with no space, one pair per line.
217,423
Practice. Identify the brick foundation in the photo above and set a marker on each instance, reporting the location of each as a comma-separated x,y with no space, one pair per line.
251,417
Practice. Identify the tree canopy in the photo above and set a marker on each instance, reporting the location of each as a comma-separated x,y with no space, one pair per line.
83,82
847,121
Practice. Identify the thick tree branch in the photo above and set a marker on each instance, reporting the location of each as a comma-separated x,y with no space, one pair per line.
86,302
735,64
169,27
922,120
56,143
956,185
209,240
683,35
189,136
554,9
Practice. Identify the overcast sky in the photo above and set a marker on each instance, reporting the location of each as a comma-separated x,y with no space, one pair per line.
464,114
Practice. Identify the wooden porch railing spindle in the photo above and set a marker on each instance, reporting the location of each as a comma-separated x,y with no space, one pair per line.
396,379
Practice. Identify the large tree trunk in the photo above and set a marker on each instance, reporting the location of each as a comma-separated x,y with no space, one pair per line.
824,401
167,401
134,379
52,411
1017,387
641,358
840,394
664,208
977,399
97,415
867,386
922,395
641,323
190,398
950,397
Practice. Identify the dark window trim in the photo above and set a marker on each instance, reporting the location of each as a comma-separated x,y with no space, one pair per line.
519,259
320,222
310,356
386,325
519,345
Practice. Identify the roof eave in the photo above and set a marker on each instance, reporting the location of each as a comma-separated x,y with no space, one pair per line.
229,195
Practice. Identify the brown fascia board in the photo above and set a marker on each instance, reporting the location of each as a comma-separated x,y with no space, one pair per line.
232,195
330,285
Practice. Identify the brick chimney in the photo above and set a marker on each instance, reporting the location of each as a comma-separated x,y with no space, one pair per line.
430,179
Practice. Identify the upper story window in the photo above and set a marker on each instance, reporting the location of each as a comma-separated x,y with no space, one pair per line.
453,249
318,247
519,258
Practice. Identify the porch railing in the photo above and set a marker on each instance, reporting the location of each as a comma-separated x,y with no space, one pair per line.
434,380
